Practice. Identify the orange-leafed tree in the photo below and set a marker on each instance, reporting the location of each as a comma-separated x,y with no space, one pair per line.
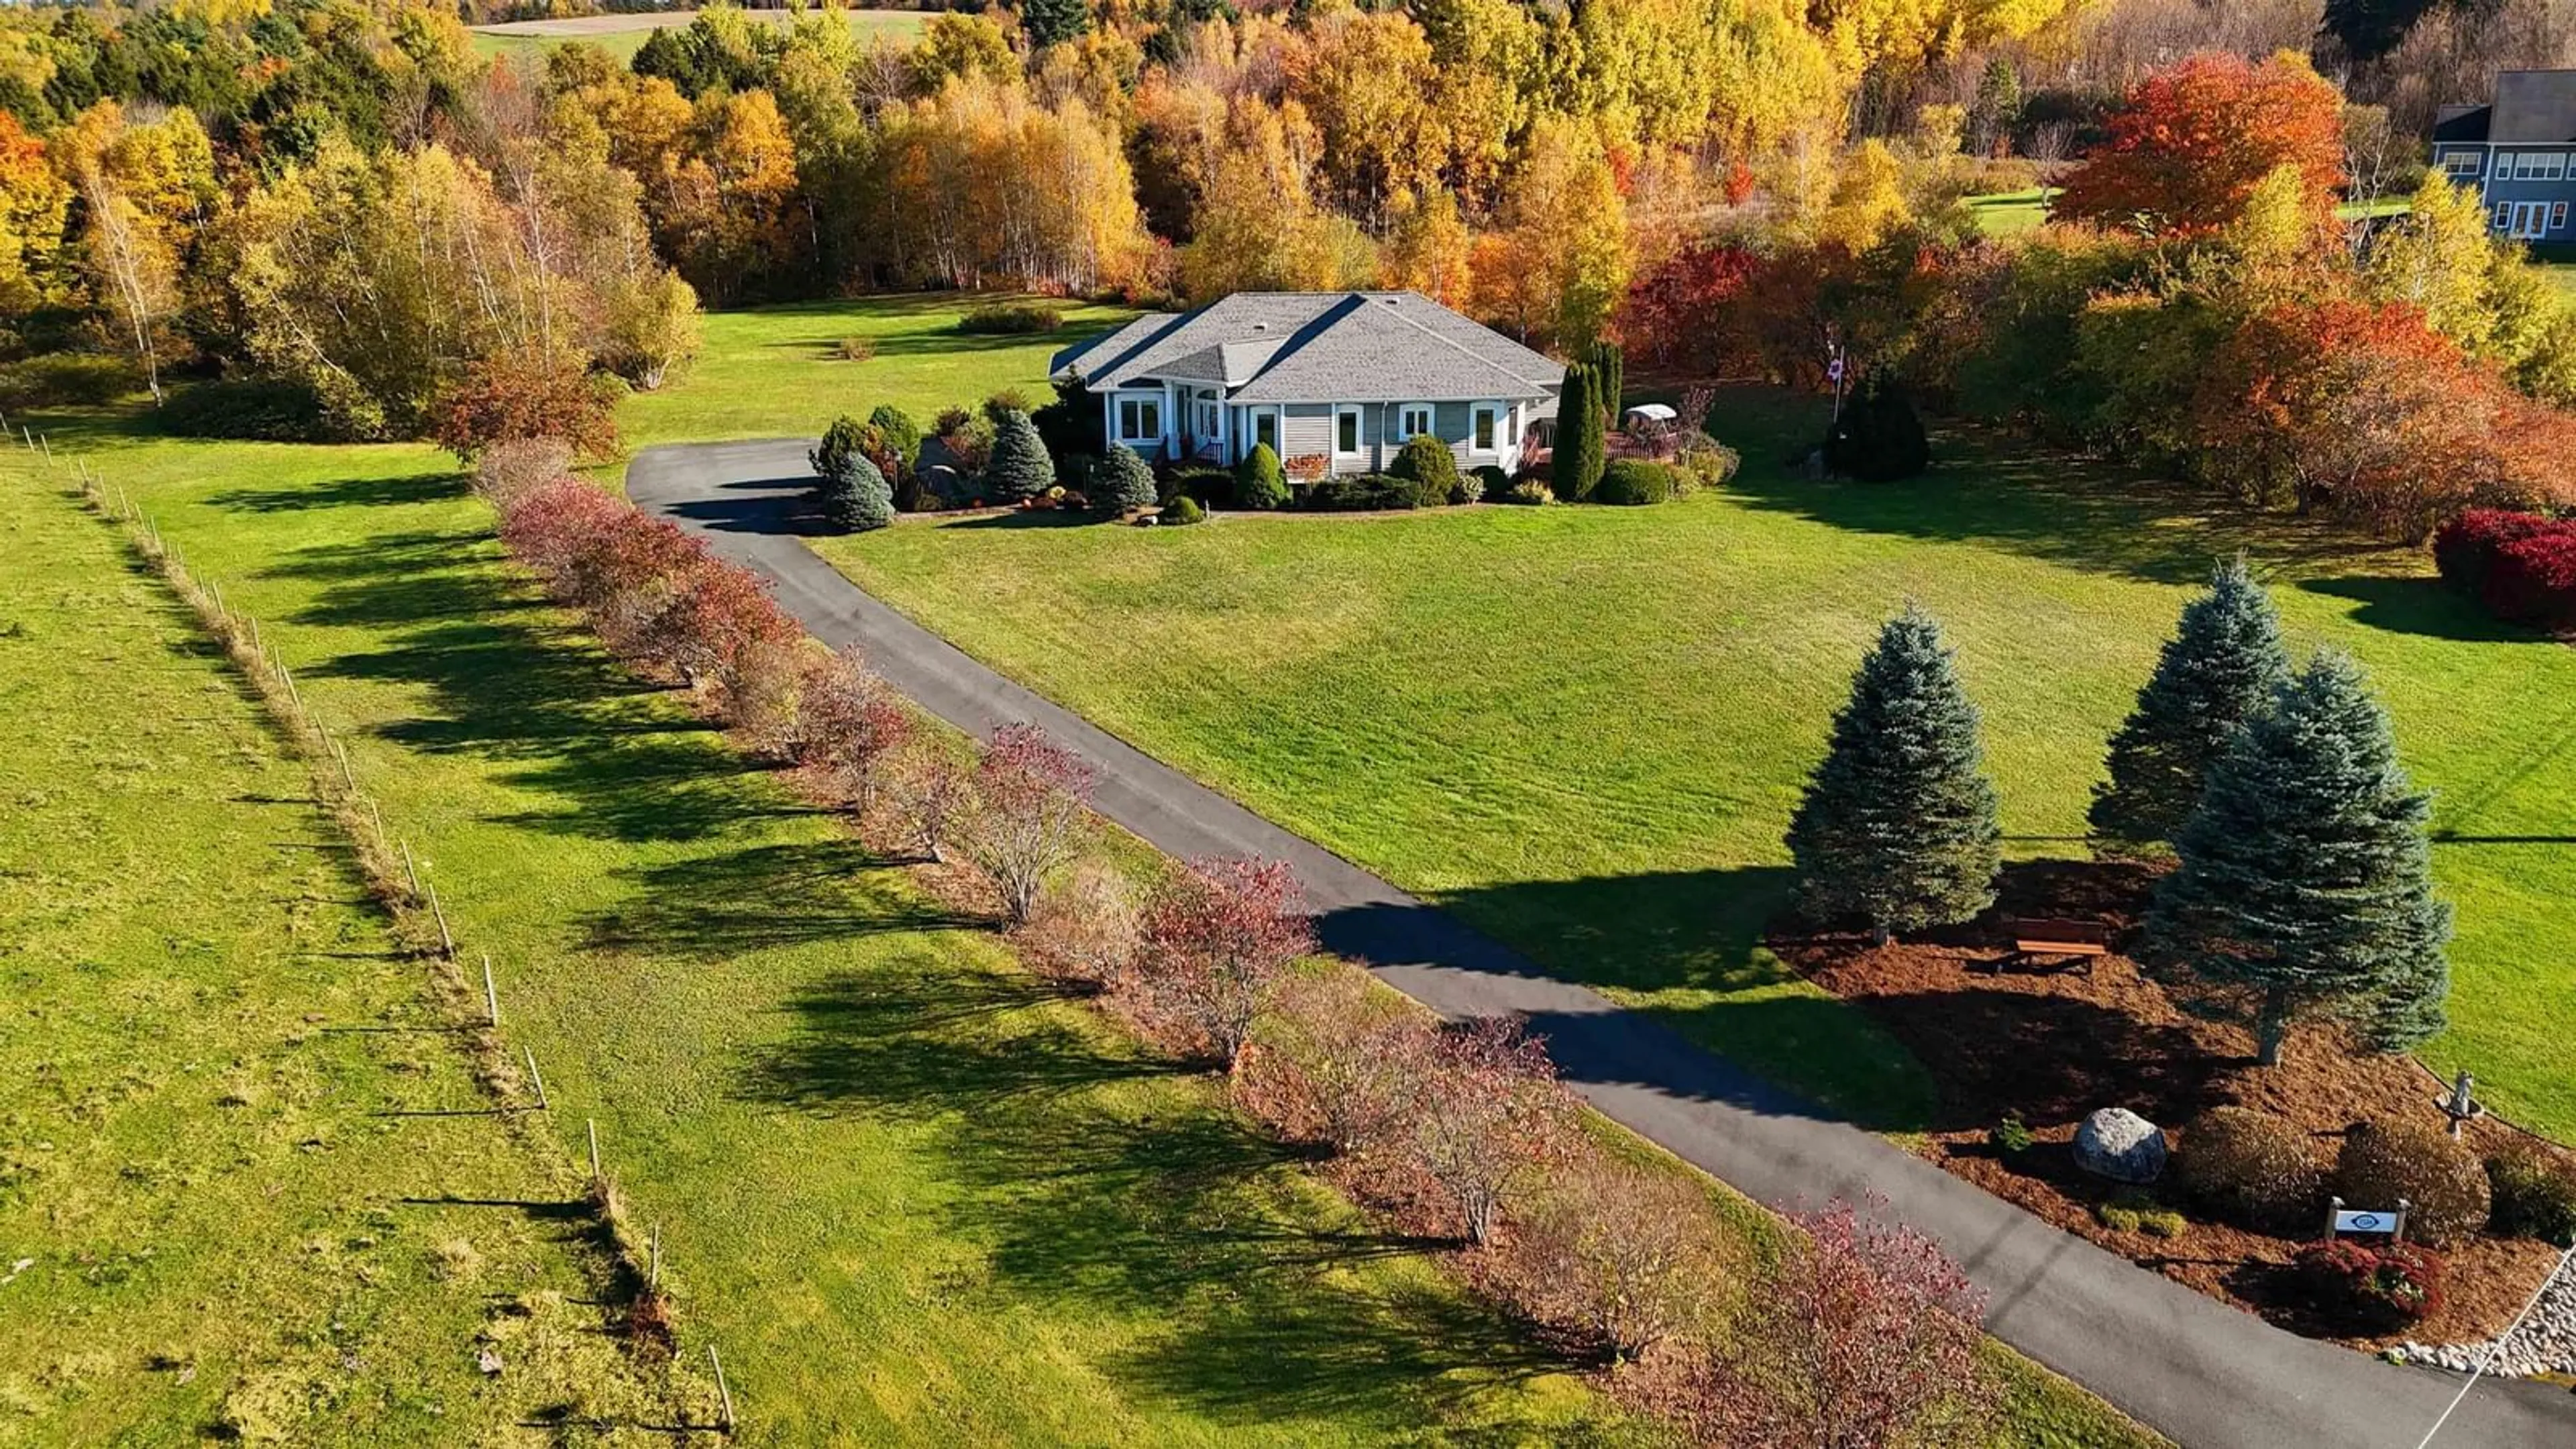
2189,144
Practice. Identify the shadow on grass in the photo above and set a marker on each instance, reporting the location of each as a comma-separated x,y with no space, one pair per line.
1989,487
406,489
784,894
510,680
1095,1185
2420,605
1733,1023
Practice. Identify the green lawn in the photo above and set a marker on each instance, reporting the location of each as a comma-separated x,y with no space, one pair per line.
770,372
245,1177
2003,213
1585,728
911,1195
623,35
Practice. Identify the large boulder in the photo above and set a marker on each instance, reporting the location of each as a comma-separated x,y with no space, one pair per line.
2121,1145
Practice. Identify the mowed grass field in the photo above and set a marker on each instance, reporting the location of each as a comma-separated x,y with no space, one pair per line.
912,1195
247,1185
1585,728
623,35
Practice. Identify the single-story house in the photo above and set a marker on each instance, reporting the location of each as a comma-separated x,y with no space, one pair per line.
1334,382
2518,151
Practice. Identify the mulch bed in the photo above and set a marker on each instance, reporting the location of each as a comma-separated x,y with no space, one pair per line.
2054,1045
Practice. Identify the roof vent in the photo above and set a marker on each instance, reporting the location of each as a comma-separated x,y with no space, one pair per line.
1390,301
1260,326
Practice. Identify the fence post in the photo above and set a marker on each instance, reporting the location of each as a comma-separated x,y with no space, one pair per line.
592,1123
491,997
446,943
537,1077
724,1396
653,1274
410,870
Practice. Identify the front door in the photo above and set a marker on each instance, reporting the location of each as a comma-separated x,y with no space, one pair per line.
2530,219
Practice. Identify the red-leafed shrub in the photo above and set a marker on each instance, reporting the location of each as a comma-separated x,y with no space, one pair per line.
849,724
1030,813
1218,936
530,393
2373,1289
2522,566
1490,1116
1621,1255
1340,1064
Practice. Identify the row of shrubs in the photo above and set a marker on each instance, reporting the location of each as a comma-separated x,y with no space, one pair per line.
2521,566
2264,1173
1456,1130
1011,319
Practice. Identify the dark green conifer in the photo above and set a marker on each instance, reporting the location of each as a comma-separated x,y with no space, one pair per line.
1120,482
1019,466
1581,450
2305,884
858,498
2223,664
1898,827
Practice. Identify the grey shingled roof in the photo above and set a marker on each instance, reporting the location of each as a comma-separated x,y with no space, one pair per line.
2534,105
1275,347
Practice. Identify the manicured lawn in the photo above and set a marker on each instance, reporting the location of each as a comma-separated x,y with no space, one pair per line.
622,35
769,372
230,1192
911,1195
2007,212
1585,728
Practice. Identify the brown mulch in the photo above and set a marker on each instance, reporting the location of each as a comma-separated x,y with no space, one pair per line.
2056,1044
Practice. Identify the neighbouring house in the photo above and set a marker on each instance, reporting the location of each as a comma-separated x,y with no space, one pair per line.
2519,151
1333,382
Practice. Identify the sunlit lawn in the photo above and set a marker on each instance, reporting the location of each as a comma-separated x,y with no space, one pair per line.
246,1179
912,1195
1585,728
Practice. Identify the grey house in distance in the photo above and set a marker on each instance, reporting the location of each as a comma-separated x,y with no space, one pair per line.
2519,151
1333,382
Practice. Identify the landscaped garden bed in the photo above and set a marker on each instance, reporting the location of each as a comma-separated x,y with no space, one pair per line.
2045,1045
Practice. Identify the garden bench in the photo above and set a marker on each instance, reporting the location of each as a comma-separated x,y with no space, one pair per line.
2067,945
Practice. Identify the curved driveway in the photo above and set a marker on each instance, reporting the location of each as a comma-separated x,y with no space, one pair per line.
2197,1370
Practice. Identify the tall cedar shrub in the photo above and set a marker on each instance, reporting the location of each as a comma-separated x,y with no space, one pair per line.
1581,449
1019,467
2305,883
1121,482
1258,482
830,457
1610,379
860,500
1898,827
2224,663
1426,463
902,436
1878,438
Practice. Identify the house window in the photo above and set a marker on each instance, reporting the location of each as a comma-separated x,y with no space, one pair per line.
2459,165
1140,420
1265,430
2504,165
1412,420
2555,167
2503,215
2557,215
1488,429
1346,431
1207,424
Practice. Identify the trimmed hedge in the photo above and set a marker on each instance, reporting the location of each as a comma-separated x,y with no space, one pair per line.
2521,566
2250,1167
1427,463
253,410
1632,482
1362,493
67,379
1182,510
2384,1161
1258,483
2534,1191
1008,319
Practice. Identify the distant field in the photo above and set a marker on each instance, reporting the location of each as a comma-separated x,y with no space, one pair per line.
623,35
247,1185
2006,212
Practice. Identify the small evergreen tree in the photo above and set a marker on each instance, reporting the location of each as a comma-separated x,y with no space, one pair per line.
1121,483
830,458
2305,884
1581,449
901,435
2223,665
1019,467
1898,826
860,500
1051,22
1997,109
1258,482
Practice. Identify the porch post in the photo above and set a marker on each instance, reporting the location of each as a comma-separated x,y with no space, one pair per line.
1224,428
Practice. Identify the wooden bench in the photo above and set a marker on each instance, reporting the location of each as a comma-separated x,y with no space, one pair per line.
2065,945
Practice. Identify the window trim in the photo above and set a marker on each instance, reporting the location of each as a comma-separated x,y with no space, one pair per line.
1486,417
2462,165
1405,432
1253,418
1141,402
1359,430
2557,216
